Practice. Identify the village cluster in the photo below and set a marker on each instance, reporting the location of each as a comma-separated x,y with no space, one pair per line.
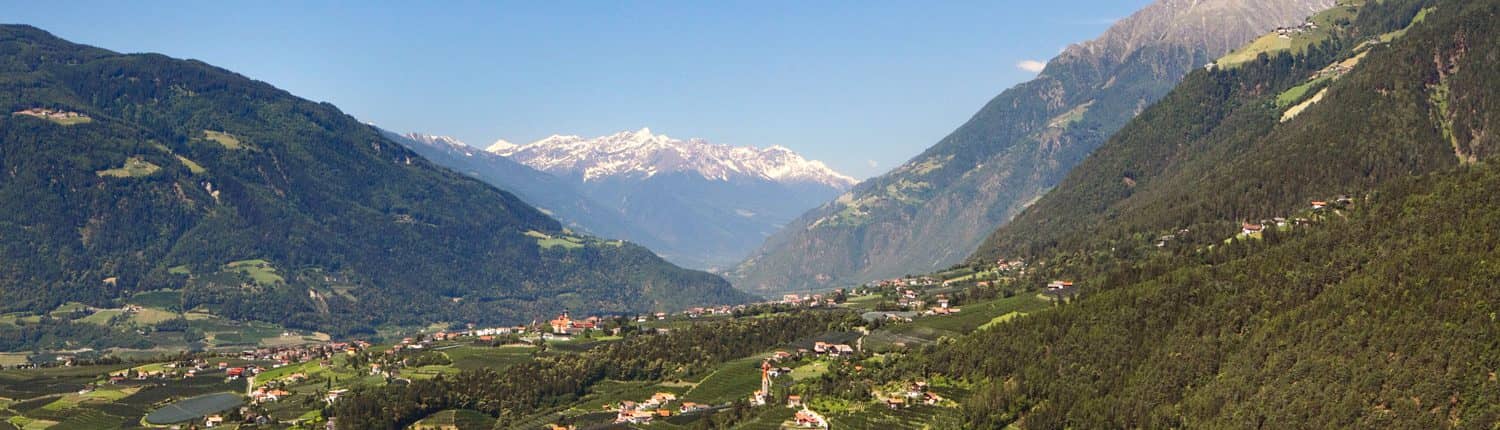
1288,32
1317,207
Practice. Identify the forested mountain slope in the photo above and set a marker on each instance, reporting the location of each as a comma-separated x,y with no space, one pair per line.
261,205
935,210
1374,312
1221,148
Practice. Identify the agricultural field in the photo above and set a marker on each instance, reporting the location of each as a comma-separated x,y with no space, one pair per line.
467,357
733,380
810,370
222,138
193,408
866,302
455,419
972,317
876,416
159,299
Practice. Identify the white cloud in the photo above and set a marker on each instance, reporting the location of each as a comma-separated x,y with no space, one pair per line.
1032,66
872,163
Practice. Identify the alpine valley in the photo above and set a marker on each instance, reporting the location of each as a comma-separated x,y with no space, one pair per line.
1220,214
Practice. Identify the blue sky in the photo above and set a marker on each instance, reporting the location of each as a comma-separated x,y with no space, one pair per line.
861,85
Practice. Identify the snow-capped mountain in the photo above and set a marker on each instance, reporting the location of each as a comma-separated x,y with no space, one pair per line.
447,142
641,154
553,195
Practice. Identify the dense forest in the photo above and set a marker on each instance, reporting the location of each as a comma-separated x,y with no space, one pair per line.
260,205
1376,311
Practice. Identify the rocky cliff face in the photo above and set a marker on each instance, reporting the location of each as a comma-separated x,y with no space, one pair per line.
935,209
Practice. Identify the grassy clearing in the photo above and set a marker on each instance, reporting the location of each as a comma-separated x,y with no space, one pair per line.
1002,319
288,339
1421,15
102,316
464,419
547,241
915,417
611,392
866,302
222,138
24,423
71,401
199,316
975,315
151,316
260,271
1294,94
810,370
226,333
191,165
160,299
1293,111
480,357
72,121
566,243
135,167
66,121
11,359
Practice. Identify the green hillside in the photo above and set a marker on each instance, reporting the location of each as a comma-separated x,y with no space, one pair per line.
260,205
1375,311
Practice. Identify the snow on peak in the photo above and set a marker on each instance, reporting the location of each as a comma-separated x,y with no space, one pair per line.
500,145
441,141
641,153
433,139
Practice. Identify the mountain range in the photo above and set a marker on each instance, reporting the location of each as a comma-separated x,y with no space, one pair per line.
935,209
138,172
552,195
695,203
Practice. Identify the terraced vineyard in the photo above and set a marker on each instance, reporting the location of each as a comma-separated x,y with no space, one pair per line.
732,381
914,417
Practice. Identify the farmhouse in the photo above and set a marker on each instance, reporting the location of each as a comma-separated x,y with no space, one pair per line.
842,350
1249,228
808,419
